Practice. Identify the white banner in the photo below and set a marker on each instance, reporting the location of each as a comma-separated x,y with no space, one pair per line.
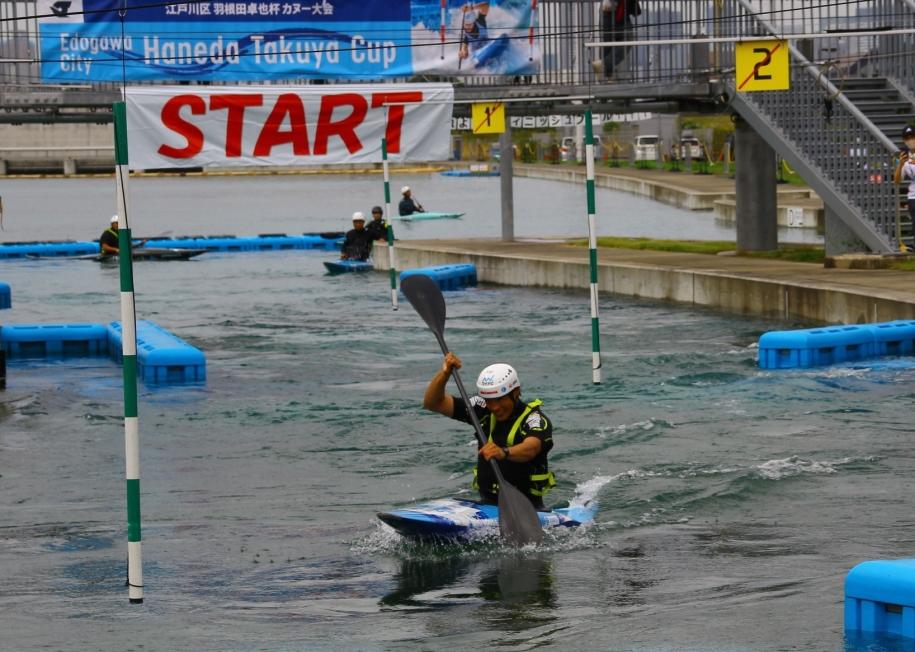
231,126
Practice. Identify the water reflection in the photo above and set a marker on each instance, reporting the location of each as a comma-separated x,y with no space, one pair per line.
522,587
868,642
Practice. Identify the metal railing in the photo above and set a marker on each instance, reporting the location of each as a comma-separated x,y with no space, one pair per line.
815,126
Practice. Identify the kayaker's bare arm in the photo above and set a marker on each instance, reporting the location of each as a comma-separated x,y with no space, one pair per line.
435,398
523,452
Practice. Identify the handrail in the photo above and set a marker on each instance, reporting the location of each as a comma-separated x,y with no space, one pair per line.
827,85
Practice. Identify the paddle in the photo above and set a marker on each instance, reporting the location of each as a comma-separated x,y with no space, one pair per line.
518,520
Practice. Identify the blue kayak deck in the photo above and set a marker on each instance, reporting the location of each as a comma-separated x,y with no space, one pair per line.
455,519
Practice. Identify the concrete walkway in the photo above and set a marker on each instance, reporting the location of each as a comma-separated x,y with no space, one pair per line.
737,284
698,192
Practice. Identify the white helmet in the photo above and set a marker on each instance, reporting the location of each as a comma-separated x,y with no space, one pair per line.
404,190
497,380
358,216
114,219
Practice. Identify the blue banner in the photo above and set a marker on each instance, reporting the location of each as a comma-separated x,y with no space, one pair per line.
214,40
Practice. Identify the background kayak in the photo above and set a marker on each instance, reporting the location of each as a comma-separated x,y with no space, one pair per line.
416,217
344,266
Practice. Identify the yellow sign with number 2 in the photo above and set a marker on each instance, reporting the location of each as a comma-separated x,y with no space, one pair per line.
763,66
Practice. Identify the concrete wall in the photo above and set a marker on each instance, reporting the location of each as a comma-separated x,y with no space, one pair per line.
55,148
742,295
674,196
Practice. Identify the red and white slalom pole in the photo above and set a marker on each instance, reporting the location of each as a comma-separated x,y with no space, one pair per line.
442,27
530,30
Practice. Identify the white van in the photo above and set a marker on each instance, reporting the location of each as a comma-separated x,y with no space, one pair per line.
646,148
568,145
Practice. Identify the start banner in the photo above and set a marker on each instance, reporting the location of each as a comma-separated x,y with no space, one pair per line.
225,41
212,126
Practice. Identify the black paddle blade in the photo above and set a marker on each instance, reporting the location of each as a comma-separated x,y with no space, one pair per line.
518,520
427,300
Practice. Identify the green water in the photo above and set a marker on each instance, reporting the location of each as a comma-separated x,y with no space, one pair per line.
732,501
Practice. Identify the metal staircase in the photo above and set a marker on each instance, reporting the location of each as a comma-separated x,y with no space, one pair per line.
840,132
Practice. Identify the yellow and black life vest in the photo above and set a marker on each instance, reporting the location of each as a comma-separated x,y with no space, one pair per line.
541,480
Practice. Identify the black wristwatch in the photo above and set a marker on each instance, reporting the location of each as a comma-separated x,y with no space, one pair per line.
505,450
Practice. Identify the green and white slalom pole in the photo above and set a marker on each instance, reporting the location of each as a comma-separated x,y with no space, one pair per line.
592,250
389,222
129,349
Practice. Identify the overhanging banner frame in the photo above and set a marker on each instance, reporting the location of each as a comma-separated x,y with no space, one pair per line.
92,41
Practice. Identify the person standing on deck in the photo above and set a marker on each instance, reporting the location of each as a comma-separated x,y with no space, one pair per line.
616,25
519,435
906,168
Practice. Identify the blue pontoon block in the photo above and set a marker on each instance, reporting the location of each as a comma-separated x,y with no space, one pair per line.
6,296
44,249
274,242
162,358
894,337
880,597
54,340
814,347
447,277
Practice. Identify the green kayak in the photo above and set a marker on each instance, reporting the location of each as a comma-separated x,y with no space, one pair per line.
416,217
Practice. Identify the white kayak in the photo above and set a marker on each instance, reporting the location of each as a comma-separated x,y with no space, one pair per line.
454,519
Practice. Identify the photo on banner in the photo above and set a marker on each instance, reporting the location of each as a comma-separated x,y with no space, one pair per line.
223,41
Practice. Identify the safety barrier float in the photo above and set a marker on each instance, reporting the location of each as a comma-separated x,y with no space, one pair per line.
880,598
474,171
224,243
447,277
814,347
162,358
6,296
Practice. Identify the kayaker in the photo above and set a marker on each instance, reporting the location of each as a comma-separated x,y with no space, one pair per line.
519,435
408,205
376,228
474,31
108,244
357,245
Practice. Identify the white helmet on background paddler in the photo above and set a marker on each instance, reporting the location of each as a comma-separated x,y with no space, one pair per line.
497,380
358,217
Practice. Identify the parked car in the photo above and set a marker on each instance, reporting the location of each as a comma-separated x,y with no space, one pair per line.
645,148
567,148
690,146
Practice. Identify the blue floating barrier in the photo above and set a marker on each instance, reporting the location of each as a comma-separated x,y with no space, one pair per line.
814,347
225,243
447,277
880,597
6,296
47,249
54,340
894,337
469,173
268,242
162,358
